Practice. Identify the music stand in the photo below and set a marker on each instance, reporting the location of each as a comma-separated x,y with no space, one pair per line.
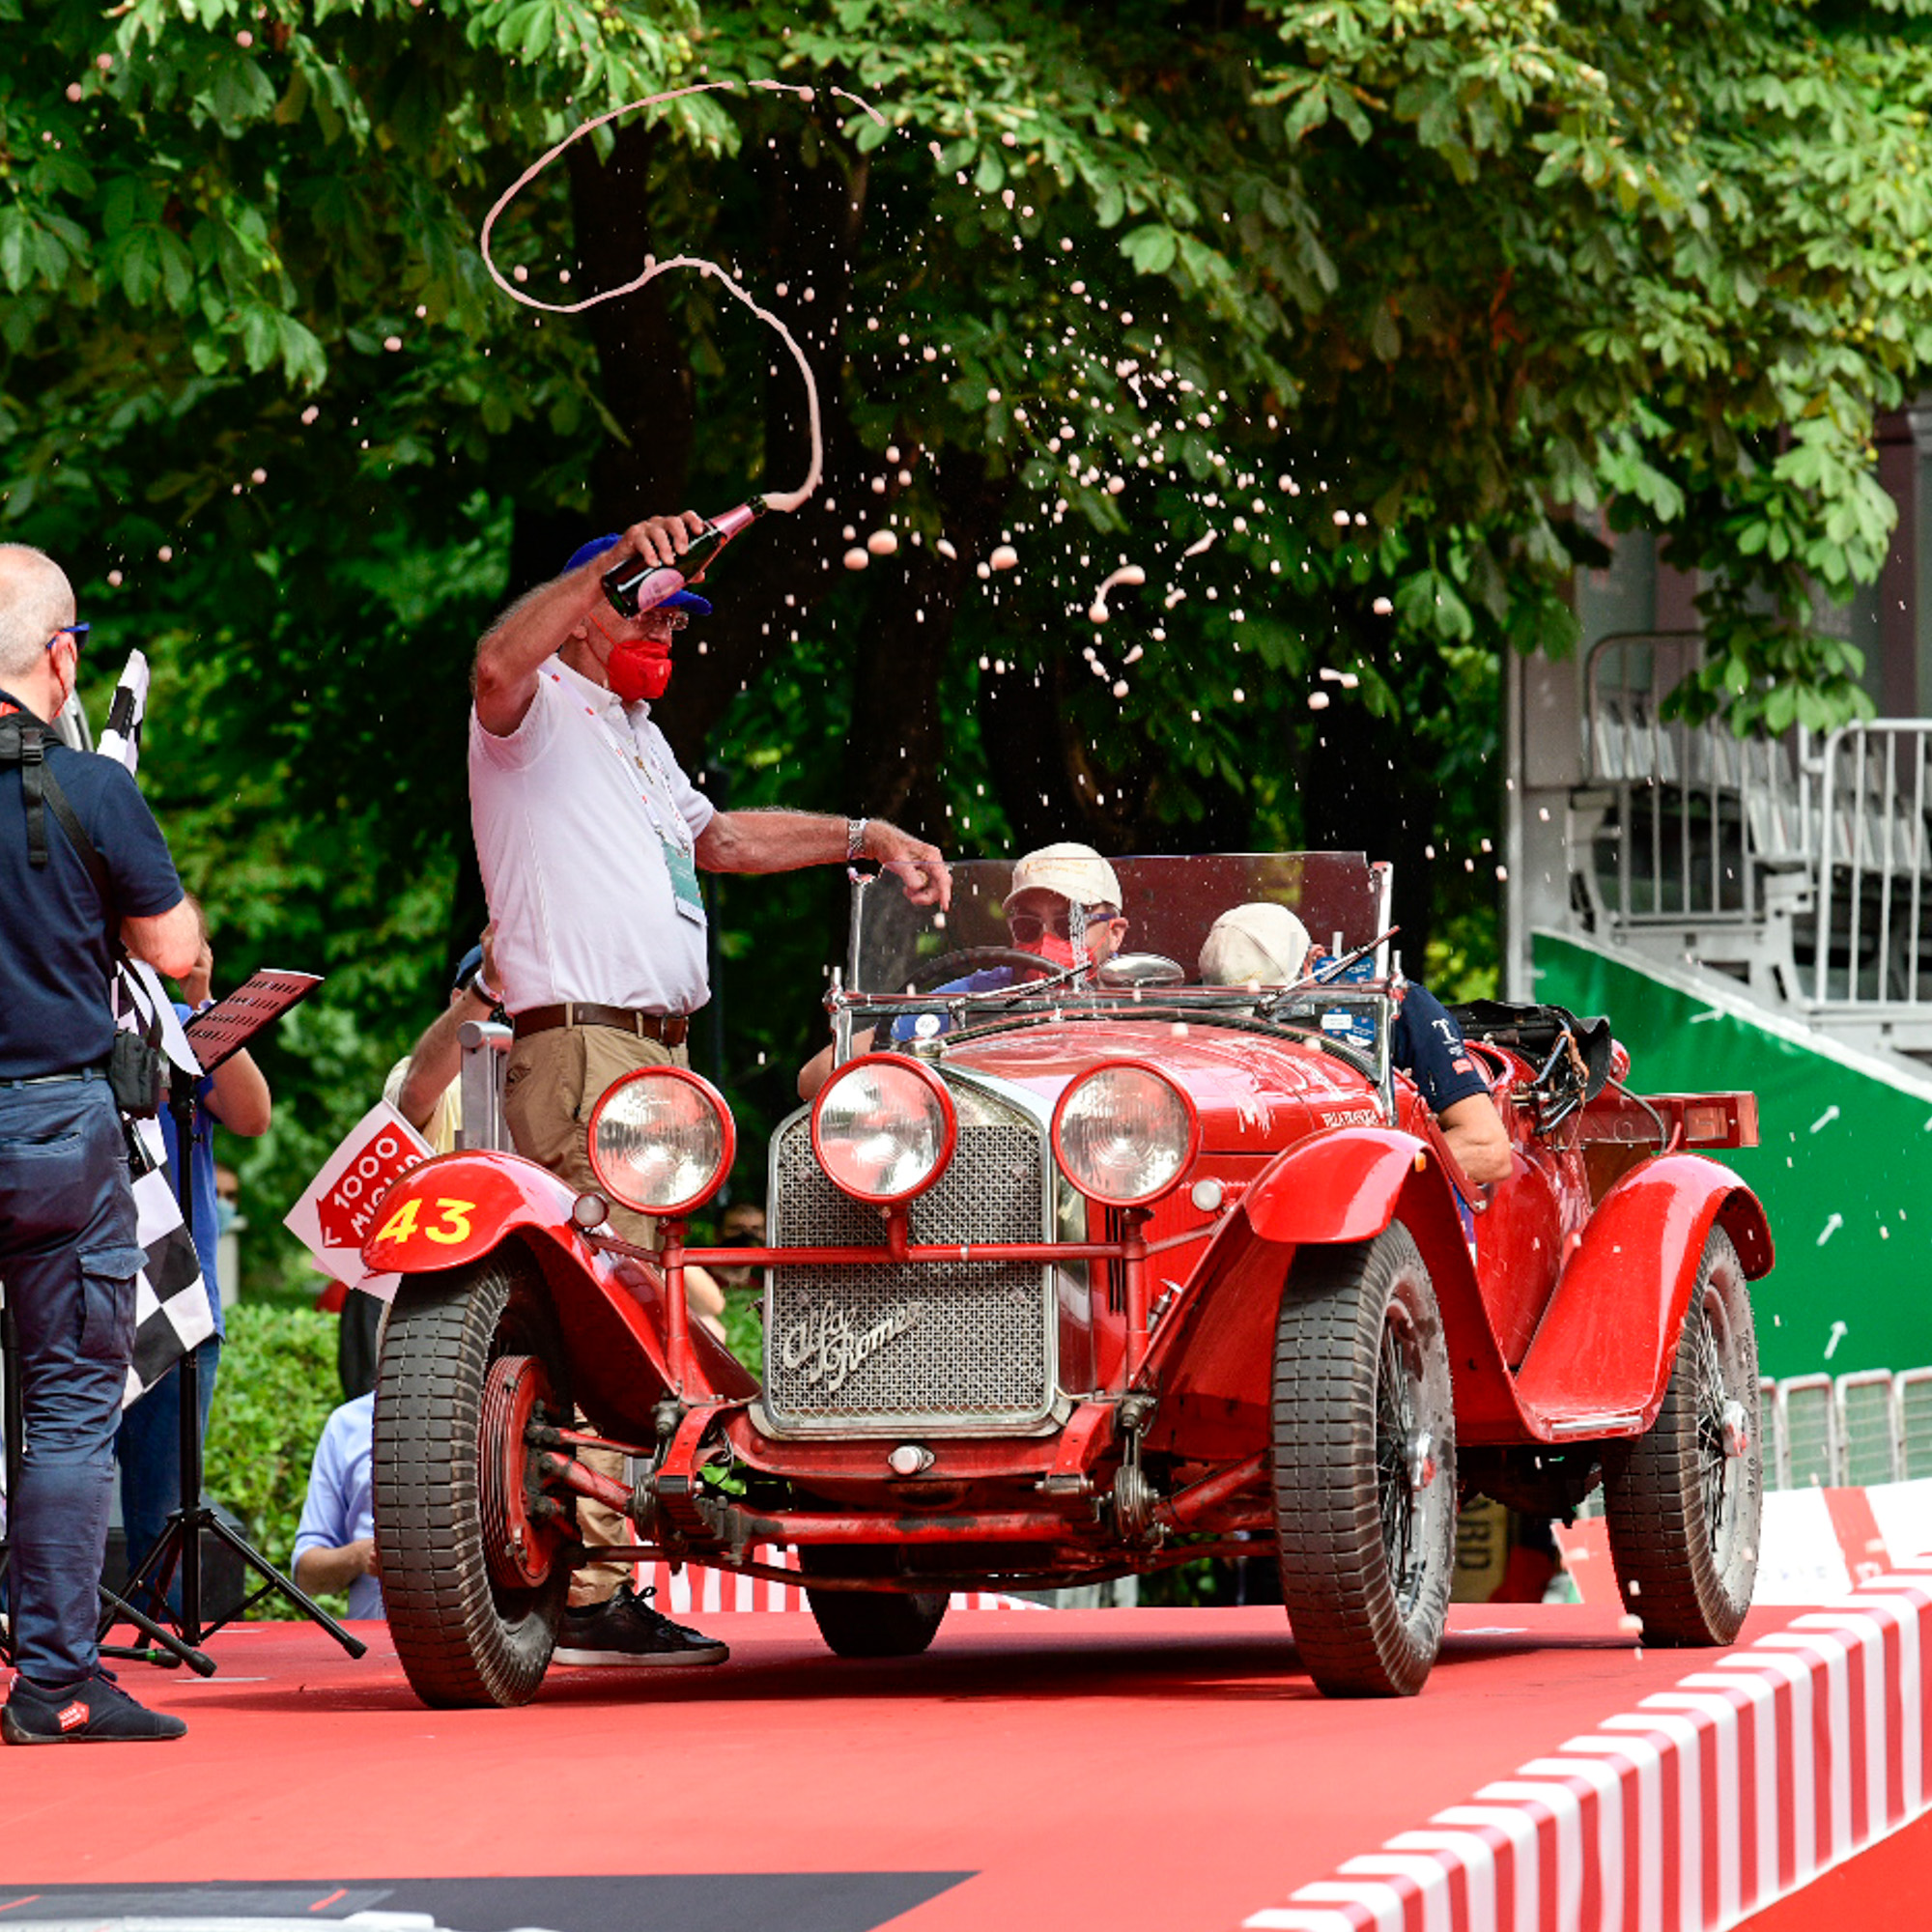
217,1036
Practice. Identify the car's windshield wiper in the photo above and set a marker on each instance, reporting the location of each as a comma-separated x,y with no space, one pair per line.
1326,973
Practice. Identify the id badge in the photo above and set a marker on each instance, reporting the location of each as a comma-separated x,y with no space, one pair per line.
682,865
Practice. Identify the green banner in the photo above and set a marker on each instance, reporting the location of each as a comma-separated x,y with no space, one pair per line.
1844,1167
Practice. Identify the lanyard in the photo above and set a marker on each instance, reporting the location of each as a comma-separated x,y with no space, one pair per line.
635,769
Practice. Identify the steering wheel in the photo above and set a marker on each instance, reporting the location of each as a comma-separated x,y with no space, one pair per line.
946,966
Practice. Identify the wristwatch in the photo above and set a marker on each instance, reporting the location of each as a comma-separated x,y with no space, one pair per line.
855,839
483,990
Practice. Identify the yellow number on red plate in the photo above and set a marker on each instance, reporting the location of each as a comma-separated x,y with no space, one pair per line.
455,1223
402,1224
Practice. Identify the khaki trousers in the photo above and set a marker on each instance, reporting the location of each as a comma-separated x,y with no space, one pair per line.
549,1087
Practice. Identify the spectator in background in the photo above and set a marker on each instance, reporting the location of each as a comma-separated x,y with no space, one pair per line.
335,1541
426,1087
149,1442
426,1084
742,1225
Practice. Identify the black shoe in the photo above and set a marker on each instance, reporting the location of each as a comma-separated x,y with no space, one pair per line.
626,1630
95,1711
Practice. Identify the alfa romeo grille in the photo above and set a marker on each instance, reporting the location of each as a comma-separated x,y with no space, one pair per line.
947,1345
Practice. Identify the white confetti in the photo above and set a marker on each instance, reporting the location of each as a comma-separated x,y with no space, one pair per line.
882,543
1833,1223
1825,1118
945,548
1004,557
856,558
1195,548
1317,700
1838,1333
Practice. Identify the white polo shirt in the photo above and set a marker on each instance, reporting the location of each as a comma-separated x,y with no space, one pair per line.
572,811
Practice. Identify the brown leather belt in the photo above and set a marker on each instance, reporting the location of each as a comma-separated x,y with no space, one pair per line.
670,1028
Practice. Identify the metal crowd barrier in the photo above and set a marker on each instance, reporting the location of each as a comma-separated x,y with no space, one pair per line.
1847,1432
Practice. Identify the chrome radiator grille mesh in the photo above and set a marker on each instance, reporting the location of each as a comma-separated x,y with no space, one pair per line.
936,1346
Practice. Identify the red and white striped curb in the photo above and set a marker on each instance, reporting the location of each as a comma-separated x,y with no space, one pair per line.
1735,1787
695,1588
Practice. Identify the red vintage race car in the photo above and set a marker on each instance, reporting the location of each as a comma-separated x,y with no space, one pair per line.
1080,1273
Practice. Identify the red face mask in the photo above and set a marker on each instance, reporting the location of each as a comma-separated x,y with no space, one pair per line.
639,668
1054,948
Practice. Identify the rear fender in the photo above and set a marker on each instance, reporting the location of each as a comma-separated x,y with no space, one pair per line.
1337,1188
1605,1348
610,1307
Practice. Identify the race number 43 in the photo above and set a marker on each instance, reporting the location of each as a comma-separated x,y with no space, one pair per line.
450,1226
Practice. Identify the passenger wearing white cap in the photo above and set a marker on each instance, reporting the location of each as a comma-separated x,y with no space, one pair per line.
1061,897
1259,944
1265,945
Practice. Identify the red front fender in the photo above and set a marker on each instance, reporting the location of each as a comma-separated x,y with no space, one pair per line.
1341,1186
1337,1187
457,1208
1607,1340
461,1207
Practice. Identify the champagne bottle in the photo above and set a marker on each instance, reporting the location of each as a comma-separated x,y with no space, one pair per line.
634,586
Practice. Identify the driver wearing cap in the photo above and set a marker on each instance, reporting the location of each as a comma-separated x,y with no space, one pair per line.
1061,897
1265,945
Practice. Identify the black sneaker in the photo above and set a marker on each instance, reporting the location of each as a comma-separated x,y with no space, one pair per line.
95,1711
626,1630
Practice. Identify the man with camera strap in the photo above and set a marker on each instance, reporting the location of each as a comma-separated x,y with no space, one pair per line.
83,870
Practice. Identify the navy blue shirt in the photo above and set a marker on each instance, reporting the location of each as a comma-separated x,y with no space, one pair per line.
988,979
57,939
1428,1045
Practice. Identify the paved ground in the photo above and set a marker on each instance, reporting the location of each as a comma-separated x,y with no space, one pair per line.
1148,1771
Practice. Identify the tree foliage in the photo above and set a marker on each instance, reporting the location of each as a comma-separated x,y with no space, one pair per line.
1402,302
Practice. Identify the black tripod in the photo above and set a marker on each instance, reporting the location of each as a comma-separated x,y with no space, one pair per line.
180,1543
170,1650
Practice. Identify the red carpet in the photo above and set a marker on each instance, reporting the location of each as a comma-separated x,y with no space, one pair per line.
1123,1770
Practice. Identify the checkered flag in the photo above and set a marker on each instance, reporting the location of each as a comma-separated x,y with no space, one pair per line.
171,1308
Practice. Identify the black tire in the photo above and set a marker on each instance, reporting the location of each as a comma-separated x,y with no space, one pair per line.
1681,1507
1365,1507
463,1637
870,1623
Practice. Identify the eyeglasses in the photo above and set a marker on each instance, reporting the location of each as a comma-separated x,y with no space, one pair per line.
1027,927
77,632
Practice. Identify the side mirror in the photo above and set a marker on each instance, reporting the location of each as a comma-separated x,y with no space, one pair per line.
1139,969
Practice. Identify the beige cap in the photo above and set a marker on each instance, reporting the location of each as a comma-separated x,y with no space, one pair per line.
1259,945
1076,873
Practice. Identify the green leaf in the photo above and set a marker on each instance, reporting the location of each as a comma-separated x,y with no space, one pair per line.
1152,248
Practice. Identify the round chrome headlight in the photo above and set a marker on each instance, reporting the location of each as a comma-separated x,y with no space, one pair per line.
1125,1134
661,1141
884,1128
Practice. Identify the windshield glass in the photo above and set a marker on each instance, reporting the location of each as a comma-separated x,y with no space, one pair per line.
1169,904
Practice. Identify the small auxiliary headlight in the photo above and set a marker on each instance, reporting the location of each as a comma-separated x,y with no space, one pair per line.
661,1141
884,1128
1125,1134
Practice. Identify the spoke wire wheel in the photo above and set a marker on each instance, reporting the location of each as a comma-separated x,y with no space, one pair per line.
1364,1466
1682,1502
471,1625
868,1623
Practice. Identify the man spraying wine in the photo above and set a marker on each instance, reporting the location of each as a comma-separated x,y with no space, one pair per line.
590,840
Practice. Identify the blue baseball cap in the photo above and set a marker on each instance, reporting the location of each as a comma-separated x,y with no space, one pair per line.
678,600
467,969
